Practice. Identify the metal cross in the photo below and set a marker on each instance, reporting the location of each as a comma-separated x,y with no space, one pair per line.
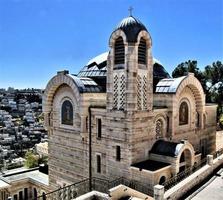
130,10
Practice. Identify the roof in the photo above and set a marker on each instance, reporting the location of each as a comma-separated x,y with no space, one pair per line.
169,85
166,148
98,59
150,165
3,184
131,27
96,69
86,85
30,174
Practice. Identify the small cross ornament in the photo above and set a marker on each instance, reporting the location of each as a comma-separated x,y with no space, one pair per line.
130,10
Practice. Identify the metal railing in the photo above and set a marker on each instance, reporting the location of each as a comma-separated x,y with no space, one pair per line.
98,184
103,185
184,174
188,171
68,192
218,153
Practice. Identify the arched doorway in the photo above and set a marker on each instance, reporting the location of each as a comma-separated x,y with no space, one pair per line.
162,180
185,160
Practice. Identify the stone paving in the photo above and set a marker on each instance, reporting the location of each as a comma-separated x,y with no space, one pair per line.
213,189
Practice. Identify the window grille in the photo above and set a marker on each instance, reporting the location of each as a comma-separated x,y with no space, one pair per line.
119,51
142,52
159,128
122,92
115,91
144,92
139,93
119,91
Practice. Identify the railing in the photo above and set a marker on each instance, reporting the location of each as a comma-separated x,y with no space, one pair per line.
218,153
103,185
68,192
184,174
98,184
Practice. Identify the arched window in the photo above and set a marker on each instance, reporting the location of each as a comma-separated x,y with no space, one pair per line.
67,113
159,128
44,195
197,120
183,113
119,51
35,193
142,52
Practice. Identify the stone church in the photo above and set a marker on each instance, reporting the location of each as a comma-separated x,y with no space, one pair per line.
123,115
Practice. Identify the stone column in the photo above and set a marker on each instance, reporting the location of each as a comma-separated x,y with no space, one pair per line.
158,192
210,160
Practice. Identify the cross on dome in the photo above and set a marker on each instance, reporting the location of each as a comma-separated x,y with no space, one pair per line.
130,10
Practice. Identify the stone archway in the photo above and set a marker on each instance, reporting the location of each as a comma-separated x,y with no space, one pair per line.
185,160
162,180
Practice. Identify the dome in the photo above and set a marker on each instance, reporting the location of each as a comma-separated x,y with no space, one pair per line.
96,69
131,27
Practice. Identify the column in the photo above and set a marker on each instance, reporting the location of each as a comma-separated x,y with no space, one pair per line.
158,192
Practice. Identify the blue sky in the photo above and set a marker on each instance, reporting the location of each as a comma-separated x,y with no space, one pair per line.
40,37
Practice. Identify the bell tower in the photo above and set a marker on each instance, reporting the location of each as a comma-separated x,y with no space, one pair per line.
129,90
130,68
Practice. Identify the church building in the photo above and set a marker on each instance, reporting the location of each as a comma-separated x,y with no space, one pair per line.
123,115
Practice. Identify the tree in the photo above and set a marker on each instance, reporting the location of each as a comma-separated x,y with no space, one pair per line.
31,160
214,78
211,80
43,160
189,66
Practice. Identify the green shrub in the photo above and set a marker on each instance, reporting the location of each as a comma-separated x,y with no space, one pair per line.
31,160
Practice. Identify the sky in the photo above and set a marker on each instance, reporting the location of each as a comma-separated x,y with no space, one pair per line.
40,37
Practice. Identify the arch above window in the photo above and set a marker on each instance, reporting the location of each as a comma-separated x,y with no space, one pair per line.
67,113
142,52
183,113
119,51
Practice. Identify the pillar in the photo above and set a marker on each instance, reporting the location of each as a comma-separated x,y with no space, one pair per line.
210,160
158,192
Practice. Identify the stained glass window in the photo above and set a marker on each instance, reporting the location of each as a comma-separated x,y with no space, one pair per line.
183,113
67,113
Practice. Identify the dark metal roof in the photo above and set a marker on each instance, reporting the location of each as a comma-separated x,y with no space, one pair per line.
96,69
150,165
166,148
131,27
159,71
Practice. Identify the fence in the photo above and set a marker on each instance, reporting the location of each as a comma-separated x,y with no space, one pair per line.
101,185
184,174
67,192
218,153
